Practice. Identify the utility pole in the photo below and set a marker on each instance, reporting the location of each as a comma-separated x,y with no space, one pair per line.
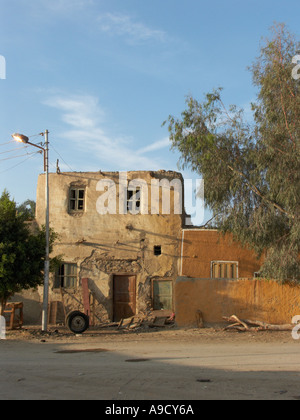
47,263
21,138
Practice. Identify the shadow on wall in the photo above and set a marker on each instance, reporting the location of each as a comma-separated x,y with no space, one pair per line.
103,308
255,299
32,307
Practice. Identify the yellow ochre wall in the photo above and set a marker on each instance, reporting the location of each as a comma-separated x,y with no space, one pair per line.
247,298
257,299
200,247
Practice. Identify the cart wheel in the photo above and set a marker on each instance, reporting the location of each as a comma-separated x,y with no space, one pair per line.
78,322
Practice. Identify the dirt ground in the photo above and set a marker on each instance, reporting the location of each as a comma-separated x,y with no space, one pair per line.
167,364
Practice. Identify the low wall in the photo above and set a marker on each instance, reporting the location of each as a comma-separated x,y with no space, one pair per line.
254,299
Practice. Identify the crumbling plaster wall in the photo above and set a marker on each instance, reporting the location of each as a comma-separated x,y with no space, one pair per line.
106,245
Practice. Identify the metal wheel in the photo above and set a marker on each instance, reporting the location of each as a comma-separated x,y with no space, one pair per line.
78,322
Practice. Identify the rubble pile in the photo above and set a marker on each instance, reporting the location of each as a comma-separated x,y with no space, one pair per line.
145,321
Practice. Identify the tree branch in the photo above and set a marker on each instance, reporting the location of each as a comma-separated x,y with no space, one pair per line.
257,192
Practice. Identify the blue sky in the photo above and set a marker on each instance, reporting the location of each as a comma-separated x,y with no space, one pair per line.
103,75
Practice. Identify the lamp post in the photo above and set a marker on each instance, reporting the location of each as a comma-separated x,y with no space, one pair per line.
24,139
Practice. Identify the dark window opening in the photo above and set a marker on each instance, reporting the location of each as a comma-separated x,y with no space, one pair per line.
134,200
157,250
76,202
66,276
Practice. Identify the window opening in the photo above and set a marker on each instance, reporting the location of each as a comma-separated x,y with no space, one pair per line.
134,200
157,250
66,276
77,196
224,270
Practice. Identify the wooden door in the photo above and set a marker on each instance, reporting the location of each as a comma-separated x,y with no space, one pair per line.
124,297
162,294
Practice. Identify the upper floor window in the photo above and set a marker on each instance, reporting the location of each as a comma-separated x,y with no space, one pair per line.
77,199
224,270
134,200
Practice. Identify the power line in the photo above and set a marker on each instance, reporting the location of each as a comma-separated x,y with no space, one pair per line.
15,157
53,165
52,147
36,135
20,163
4,144
13,150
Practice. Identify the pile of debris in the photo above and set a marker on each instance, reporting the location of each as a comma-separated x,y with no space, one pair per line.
145,321
248,325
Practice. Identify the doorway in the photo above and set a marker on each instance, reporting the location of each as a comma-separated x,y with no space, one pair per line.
162,295
124,297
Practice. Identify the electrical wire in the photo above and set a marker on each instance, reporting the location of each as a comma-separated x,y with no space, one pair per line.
52,147
15,157
36,135
20,163
4,144
13,141
52,165
13,150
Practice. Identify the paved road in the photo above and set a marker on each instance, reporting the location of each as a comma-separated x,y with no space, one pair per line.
148,370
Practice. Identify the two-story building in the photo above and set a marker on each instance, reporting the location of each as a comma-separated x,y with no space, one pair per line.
122,231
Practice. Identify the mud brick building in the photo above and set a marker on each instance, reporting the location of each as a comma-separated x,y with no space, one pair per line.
115,230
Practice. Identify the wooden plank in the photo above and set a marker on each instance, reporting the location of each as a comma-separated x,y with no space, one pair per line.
53,313
63,302
125,323
86,296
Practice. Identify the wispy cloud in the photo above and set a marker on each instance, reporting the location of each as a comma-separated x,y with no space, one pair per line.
154,147
78,111
86,129
125,26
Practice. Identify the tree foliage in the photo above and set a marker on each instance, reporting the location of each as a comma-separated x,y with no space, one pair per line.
252,170
27,209
22,253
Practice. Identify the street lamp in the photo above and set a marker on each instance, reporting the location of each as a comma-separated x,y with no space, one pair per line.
24,139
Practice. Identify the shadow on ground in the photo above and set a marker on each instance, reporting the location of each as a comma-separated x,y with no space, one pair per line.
146,370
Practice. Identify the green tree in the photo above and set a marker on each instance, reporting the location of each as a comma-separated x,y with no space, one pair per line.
27,209
252,170
22,253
